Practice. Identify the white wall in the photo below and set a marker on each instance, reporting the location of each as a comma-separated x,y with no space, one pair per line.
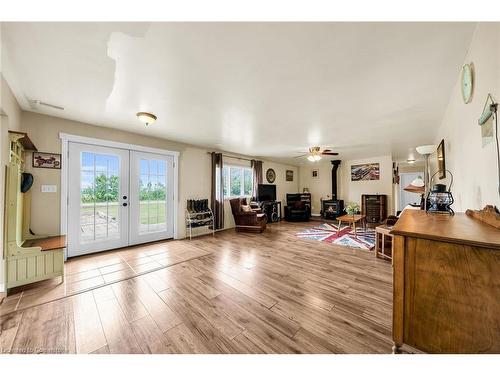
10,115
349,191
473,166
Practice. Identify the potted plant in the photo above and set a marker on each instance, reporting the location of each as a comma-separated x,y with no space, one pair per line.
352,208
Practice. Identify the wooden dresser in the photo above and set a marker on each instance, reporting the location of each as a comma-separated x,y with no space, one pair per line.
446,284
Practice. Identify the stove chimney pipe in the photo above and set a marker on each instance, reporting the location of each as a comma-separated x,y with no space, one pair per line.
335,167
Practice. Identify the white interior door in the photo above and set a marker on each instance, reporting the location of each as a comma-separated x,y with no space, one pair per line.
406,197
151,197
98,189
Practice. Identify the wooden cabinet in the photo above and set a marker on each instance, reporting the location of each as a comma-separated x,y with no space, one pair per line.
374,207
446,284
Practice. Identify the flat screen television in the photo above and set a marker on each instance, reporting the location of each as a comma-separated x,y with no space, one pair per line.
266,192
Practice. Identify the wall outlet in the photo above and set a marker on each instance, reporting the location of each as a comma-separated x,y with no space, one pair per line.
49,189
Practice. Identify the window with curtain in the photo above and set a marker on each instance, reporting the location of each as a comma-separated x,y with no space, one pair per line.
237,181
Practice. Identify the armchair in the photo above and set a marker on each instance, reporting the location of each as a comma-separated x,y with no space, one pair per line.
251,221
296,209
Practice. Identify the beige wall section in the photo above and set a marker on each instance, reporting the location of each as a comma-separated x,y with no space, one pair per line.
474,166
10,116
320,186
194,168
349,191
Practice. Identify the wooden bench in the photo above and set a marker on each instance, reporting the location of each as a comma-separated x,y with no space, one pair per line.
48,243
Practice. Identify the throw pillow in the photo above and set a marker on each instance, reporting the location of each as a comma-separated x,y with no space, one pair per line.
246,208
299,204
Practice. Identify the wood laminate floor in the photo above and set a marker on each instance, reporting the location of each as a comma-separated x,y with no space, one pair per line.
245,293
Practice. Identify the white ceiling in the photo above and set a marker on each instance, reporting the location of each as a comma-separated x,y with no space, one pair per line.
263,89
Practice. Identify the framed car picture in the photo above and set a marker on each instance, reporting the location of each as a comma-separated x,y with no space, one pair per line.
365,172
46,160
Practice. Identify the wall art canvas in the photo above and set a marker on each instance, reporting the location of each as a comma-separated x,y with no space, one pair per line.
365,172
46,160
315,173
289,175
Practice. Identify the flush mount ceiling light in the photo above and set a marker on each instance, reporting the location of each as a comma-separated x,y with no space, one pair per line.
410,161
146,118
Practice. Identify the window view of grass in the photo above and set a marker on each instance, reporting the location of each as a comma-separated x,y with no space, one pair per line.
103,198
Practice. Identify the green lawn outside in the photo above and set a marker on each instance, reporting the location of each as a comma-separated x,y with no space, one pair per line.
156,211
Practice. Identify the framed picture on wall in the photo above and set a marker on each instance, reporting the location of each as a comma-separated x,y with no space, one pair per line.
315,173
289,175
365,172
441,160
46,160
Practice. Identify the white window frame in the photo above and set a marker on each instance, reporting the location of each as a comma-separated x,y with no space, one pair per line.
227,181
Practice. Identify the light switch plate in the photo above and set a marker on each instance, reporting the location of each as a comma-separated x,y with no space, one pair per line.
49,189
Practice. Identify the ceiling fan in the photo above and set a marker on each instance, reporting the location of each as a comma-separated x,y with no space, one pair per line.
315,153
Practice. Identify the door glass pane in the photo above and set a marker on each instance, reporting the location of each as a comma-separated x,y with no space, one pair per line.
153,191
99,190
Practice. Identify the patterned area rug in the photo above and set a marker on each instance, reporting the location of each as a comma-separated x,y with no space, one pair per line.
345,236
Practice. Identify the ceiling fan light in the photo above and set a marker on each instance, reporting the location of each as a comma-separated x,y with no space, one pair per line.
146,118
317,157
311,158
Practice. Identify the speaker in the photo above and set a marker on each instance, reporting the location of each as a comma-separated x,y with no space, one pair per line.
271,211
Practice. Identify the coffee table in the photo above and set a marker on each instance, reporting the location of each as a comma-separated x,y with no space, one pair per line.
352,220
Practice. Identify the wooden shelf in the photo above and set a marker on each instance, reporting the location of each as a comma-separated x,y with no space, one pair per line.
25,141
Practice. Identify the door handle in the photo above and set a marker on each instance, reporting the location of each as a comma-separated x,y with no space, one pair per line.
124,204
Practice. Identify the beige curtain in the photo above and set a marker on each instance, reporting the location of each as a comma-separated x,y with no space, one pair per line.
257,176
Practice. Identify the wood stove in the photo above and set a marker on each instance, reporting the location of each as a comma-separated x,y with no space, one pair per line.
332,208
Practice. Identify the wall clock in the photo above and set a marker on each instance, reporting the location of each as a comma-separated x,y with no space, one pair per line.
467,82
270,175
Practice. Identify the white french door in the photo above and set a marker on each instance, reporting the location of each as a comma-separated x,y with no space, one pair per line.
117,197
151,197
